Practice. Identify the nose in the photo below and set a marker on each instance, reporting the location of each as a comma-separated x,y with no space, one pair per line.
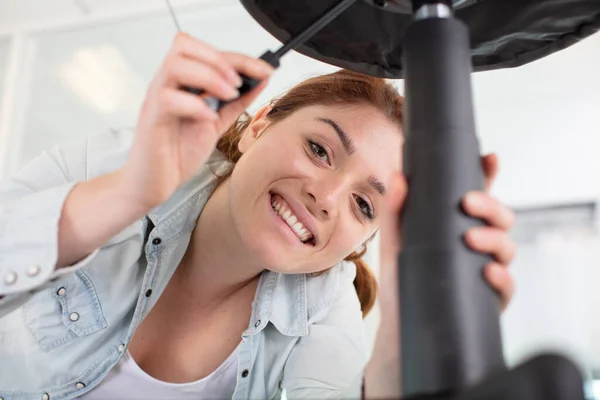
324,197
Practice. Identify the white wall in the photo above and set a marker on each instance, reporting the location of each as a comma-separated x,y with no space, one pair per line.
556,305
542,119
4,45
93,77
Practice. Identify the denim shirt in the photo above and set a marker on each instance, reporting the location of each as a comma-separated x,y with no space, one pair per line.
61,331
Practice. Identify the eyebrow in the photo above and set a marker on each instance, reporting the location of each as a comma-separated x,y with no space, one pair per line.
377,184
344,138
349,147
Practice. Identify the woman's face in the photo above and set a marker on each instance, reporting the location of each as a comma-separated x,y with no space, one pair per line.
309,189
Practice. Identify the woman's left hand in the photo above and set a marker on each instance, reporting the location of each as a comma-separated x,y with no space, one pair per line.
492,239
383,370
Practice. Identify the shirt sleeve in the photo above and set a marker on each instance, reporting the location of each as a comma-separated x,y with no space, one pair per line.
327,362
31,203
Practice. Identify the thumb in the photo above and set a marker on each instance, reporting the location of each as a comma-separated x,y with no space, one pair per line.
390,222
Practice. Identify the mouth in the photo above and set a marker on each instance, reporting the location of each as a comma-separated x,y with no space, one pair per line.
284,211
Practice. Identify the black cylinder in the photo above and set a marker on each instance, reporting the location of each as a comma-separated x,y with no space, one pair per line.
450,329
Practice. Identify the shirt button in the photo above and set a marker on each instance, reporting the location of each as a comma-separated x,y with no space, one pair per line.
10,278
148,292
33,270
45,396
257,324
121,348
80,385
61,291
73,316
245,373
156,241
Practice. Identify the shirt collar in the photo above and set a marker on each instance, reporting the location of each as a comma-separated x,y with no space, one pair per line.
180,212
281,300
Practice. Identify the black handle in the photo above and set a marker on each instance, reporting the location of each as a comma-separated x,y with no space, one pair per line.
247,84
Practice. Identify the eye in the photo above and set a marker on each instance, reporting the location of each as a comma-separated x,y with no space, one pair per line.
319,151
364,206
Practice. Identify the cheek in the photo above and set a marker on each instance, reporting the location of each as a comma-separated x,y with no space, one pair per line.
347,238
280,152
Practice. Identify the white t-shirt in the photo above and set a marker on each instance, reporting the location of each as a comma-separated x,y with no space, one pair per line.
128,381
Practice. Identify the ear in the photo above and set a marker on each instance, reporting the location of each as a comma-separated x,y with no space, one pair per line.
253,131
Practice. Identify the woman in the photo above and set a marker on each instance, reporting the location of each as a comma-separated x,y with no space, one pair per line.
188,260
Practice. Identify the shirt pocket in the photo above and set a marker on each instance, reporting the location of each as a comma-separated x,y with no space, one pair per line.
68,311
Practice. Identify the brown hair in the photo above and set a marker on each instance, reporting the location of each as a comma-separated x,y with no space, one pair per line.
339,88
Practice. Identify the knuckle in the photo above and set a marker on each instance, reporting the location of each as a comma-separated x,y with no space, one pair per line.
176,46
166,101
511,218
513,250
506,244
231,56
170,67
498,210
180,40
508,248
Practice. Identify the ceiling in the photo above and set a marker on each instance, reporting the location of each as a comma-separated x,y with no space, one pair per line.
16,15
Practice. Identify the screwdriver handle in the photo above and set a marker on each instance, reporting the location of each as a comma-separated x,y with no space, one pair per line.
247,84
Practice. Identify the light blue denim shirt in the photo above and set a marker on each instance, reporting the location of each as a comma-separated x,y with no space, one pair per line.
61,331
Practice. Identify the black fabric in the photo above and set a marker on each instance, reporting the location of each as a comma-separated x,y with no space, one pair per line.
504,33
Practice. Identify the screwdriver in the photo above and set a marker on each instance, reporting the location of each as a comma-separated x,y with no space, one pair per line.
270,57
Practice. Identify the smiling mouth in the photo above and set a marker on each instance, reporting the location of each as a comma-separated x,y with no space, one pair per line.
282,208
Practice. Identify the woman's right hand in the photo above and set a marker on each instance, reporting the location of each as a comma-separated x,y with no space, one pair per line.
176,131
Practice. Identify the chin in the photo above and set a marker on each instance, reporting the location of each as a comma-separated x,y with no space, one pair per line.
265,251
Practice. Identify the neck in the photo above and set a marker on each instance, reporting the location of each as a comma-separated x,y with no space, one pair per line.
216,263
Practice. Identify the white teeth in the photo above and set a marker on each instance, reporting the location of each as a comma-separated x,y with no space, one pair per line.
300,230
292,221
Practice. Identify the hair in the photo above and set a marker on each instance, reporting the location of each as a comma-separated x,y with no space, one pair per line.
339,88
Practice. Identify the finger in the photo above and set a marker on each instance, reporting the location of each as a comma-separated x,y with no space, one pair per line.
390,220
185,105
199,51
231,111
186,72
490,169
482,205
492,241
500,279
249,66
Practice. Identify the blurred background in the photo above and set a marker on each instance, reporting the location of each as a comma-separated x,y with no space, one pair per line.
73,67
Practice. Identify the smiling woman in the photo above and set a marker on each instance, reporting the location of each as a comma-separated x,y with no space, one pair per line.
371,109
249,227
206,256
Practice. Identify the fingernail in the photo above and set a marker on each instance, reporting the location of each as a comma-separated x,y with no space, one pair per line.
234,78
473,199
232,93
496,271
266,68
474,234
